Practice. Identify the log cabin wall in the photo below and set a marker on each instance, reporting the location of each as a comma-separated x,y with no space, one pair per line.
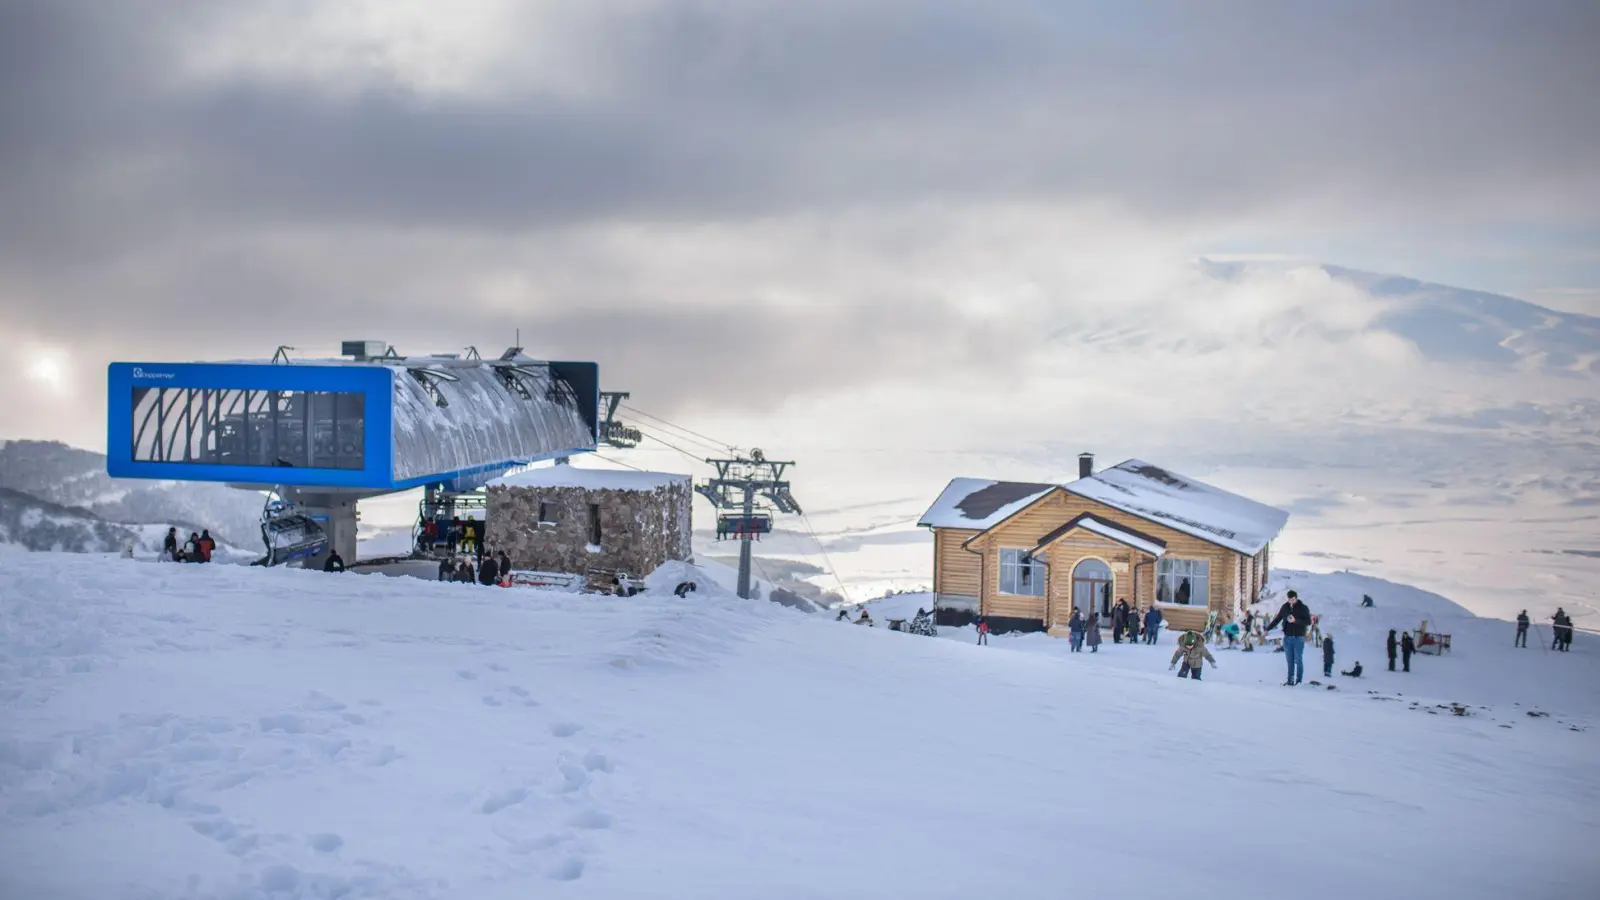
1024,529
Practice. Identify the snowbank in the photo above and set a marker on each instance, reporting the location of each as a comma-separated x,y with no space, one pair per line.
218,731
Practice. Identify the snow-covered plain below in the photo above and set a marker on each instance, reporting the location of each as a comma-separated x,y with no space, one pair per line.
222,731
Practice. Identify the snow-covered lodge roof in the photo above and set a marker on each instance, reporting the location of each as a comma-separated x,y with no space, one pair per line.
1134,487
568,476
1184,504
980,504
1095,525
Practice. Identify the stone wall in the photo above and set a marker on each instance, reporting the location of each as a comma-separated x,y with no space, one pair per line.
639,529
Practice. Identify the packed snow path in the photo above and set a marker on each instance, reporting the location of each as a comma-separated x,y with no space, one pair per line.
215,731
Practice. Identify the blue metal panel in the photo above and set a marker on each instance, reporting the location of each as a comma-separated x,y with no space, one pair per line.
374,382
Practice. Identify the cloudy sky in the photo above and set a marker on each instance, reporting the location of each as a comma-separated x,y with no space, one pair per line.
866,192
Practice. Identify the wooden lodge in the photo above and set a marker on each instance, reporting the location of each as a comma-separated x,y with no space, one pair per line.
1024,555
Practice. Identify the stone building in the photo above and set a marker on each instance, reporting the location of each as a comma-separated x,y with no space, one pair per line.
563,518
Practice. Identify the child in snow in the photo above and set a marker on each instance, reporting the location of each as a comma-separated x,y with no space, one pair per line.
1075,632
983,631
1192,649
1327,656
1355,671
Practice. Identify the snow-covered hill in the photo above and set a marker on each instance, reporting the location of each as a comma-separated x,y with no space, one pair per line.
194,731
67,476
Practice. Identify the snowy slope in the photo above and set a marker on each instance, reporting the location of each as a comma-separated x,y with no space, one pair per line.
1483,667
192,731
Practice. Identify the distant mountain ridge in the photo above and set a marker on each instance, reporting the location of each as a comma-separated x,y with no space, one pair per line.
68,481
1460,325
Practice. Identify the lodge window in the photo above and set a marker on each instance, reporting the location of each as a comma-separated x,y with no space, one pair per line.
594,524
1184,582
546,514
299,429
1021,574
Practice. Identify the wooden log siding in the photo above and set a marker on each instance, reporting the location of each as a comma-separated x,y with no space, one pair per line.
955,570
1024,529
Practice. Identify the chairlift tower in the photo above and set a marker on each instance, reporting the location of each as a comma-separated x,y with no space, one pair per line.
738,483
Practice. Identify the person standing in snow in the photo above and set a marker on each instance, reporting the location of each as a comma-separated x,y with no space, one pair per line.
1152,624
1407,647
505,563
1296,618
1522,630
1119,621
191,548
169,545
1249,621
1075,632
983,632
1133,624
1562,629
1391,646
1092,632
1192,649
489,572
1327,656
206,544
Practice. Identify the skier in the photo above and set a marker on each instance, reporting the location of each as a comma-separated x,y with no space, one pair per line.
1119,621
983,632
1075,632
1522,630
865,620
206,545
169,546
1407,647
1355,671
1231,632
489,572
1092,632
1296,617
1392,644
1152,624
1192,648
1327,656
1249,621
334,563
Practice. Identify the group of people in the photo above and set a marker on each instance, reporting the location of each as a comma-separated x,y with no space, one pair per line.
457,535
197,549
492,570
1125,622
1561,624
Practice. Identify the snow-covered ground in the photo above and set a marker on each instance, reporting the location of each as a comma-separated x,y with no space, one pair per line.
222,731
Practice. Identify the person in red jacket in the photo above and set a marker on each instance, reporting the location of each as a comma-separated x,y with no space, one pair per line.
206,544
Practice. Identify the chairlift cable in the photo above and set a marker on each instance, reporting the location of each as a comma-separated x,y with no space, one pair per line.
843,594
693,435
686,454
617,462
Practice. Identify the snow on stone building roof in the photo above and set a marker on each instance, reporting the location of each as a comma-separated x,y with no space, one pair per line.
1183,504
980,503
567,476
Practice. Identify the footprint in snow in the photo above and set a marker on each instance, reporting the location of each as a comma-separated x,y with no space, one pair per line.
466,675
496,667
326,842
570,869
565,729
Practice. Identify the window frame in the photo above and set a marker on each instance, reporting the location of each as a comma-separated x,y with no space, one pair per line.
1168,569
247,427
1027,573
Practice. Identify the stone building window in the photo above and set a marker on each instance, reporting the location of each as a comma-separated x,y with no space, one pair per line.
546,515
594,524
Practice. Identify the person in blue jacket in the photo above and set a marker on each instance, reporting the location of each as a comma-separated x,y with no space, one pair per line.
1075,631
1152,624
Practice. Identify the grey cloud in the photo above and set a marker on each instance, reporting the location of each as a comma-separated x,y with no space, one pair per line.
171,212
